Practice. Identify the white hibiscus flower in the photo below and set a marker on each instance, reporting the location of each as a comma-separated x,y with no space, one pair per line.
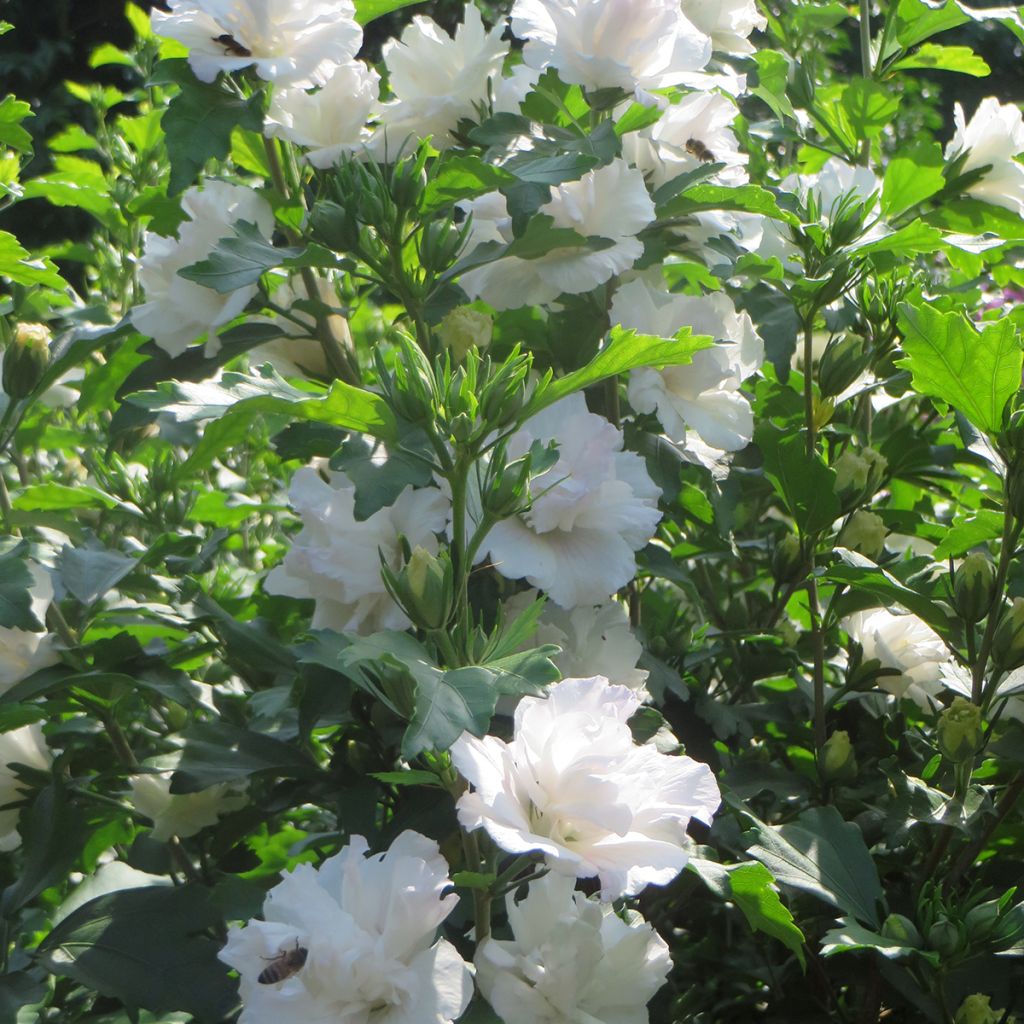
24,651
336,558
993,137
610,202
178,311
728,22
289,42
574,786
590,512
704,394
18,746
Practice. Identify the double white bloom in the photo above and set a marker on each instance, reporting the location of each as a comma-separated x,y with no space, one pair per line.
703,395
289,42
178,311
610,202
994,136
634,45
571,960
336,558
438,80
907,645
367,924
573,785
590,512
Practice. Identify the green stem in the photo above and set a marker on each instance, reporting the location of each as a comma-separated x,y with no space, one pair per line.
5,506
337,351
456,786
1011,534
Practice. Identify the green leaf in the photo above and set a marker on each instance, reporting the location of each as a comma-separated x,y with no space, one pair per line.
974,371
915,237
824,855
869,107
412,777
22,993
525,671
369,10
54,834
145,947
625,350
773,82
220,752
447,705
199,121
51,497
379,481
752,890
462,177
802,480
17,266
912,176
239,261
852,936
917,20
238,400
861,574
16,590
89,572
746,198
12,112
986,524
79,183
944,58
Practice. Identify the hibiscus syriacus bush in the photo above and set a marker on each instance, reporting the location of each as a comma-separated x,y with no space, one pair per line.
512,512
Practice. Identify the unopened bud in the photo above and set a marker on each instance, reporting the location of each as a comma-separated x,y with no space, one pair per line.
864,532
461,427
787,559
838,761
1008,643
944,936
859,474
424,588
462,329
981,920
959,730
902,930
977,1009
25,360
974,587
843,362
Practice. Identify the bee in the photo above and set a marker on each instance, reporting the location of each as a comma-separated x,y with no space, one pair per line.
232,46
697,148
284,965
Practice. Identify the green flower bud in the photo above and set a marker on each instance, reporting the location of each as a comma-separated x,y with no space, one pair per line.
843,362
837,759
461,427
959,730
335,226
424,588
977,1009
974,587
902,930
944,936
864,532
464,328
1008,643
851,472
980,920
26,359
787,559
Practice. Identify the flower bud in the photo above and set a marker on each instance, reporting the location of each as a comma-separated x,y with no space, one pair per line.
787,559
461,427
843,362
980,920
851,472
944,936
1008,643
959,730
977,1009
26,359
974,587
462,329
837,759
902,930
424,588
864,532
335,226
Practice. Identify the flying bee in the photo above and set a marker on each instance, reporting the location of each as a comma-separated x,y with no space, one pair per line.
697,148
284,965
232,46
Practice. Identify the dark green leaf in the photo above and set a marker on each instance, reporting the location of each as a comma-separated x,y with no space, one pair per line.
462,177
823,855
378,482
238,261
851,936
802,480
145,947
89,572
16,590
